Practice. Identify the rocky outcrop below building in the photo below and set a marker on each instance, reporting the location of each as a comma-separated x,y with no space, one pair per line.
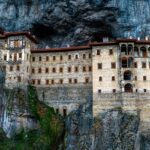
27,122
60,23
112,130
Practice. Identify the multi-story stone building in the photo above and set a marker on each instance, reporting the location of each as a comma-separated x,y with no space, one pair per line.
106,74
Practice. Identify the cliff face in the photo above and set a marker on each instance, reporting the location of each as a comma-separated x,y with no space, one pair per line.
62,22
112,130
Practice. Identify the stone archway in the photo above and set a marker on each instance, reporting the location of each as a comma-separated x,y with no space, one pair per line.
128,88
127,75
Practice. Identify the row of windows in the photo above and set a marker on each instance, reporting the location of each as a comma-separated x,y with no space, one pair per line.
114,90
17,68
100,66
61,69
14,78
61,81
111,52
14,57
70,57
113,65
113,78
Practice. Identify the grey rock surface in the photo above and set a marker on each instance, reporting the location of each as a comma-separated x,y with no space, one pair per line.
60,23
112,130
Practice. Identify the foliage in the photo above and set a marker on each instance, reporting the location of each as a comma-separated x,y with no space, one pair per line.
48,136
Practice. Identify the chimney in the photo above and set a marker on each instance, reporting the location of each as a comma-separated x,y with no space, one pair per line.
146,38
138,38
105,39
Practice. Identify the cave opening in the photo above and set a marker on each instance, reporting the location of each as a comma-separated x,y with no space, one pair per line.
42,31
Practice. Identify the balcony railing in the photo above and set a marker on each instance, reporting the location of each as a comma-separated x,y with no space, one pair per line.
14,62
15,48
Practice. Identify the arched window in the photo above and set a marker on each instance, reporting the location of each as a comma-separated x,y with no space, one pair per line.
124,50
130,62
128,88
127,75
130,49
136,51
143,52
124,62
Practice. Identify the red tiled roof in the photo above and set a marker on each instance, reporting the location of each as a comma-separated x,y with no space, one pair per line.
89,46
60,49
28,34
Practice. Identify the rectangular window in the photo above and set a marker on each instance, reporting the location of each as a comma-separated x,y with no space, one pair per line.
99,91
149,64
39,70
38,81
84,56
70,80
144,78
61,57
46,70
54,70
145,90
69,57
90,68
52,82
5,57
69,69
99,65
113,65
98,51
76,56
47,58
47,82
20,55
84,69
111,52
54,58
136,90
33,59
100,78
90,55
18,68
143,64
86,80
114,90
61,70
75,81
40,58
76,69
135,78
135,64
33,71
113,78
61,81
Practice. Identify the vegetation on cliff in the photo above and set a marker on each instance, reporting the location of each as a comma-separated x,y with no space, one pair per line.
48,136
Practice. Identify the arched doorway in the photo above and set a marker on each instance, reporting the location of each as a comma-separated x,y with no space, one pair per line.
127,75
128,88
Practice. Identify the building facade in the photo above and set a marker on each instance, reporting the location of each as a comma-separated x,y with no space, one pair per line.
106,74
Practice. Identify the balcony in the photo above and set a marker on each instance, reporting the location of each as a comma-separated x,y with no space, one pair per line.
14,62
15,48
